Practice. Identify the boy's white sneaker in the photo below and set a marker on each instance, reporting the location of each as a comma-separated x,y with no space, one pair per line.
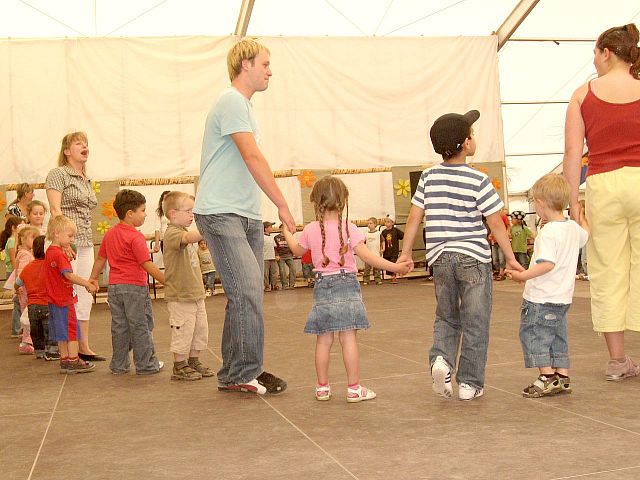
467,392
441,375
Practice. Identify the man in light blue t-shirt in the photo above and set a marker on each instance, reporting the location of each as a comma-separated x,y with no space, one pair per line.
233,171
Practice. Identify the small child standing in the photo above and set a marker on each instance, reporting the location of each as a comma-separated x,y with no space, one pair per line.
453,198
183,290
207,268
391,236
24,257
548,291
375,244
36,211
284,256
269,256
8,247
130,264
337,300
520,236
59,280
32,280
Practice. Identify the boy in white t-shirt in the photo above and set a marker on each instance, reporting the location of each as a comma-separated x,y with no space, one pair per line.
375,244
548,291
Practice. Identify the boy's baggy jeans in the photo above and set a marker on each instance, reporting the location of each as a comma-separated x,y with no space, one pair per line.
463,294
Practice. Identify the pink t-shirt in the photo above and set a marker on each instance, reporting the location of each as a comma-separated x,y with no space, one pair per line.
126,250
311,239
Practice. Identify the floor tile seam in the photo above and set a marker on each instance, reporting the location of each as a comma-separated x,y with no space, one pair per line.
580,475
311,440
46,431
11,415
540,402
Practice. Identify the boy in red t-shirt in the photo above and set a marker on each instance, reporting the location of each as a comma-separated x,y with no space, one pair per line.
59,280
129,263
32,280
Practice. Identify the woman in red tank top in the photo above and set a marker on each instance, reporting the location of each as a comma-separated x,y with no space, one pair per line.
606,113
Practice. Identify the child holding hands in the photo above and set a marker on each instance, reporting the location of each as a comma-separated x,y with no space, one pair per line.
337,300
183,290
59,280
548,291
130,264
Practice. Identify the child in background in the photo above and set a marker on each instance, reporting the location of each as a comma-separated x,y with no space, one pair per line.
284,256
207,268
24,256
452,198
36,210
391,236
8,247
520,236
375,244
307,268
337,301
183,290
59,280
550,281
130,264
32,280
269,257
160,224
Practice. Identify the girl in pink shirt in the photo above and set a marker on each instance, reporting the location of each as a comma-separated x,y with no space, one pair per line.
337,301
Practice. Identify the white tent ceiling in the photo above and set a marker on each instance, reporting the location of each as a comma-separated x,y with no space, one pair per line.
547,57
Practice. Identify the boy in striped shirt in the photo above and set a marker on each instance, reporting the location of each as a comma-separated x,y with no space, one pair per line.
452,198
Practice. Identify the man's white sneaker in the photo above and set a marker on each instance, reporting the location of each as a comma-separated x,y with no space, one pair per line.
467,392
441,375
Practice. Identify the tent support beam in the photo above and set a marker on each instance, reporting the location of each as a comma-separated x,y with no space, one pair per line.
513,21
243,18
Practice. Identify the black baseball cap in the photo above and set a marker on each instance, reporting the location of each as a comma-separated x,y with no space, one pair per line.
451,130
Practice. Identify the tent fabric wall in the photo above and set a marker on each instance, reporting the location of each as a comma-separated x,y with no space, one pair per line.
332,102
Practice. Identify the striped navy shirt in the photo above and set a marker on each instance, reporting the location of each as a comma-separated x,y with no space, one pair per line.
454,198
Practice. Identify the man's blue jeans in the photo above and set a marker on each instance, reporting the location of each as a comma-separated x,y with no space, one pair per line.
235,242
463,295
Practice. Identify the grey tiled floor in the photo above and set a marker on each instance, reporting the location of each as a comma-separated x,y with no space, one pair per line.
100,426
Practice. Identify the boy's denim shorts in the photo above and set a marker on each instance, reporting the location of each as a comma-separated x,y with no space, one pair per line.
543,334
337,305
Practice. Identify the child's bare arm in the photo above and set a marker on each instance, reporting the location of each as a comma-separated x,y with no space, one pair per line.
534,271
369,258
76,280
98,266
583,221
192,236
153,270
295,247
414,220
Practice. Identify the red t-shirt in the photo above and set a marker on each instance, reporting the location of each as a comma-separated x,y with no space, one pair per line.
612,131
59,289
126,250
34,283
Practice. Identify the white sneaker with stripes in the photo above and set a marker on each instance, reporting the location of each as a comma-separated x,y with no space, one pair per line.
441,375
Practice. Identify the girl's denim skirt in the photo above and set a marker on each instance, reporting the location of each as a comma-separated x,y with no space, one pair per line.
337,305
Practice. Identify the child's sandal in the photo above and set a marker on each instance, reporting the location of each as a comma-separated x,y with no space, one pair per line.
542,387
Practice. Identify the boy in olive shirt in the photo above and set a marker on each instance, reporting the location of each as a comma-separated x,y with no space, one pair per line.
184,291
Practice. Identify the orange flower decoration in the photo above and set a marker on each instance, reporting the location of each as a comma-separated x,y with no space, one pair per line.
497,184
108,210
479,168
3,202
307,178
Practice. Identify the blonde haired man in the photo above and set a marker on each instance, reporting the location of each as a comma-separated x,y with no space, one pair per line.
233,171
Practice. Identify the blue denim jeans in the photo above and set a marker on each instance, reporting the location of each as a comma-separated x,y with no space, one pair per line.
15,316
235,242
131,328
543,334
463,295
